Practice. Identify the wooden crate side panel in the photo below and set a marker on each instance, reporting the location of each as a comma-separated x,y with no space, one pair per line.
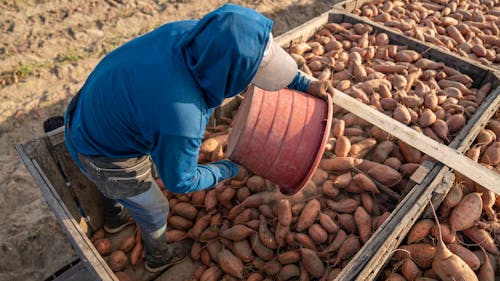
90,198
303,32
82,245
48,165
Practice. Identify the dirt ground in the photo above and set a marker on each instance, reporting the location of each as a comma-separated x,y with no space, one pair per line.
47,49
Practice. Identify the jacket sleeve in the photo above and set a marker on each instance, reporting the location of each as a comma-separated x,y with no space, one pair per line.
176,160
300,82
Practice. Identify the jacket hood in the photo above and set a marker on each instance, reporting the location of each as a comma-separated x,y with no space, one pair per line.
224,49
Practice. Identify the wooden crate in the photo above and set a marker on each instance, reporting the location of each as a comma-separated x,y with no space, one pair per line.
431,179
49,162
350,6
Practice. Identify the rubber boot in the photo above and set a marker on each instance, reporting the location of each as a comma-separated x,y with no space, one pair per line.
160,254
116,217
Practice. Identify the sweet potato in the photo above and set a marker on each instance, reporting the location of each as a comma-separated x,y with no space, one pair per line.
486,272
393,162
136,253
419,231
262,251
466,255
409,269
265,235
329,189
452,199
237,233
312,263
385,175
284,212
255,200
255,276
455,123
117,260
243,217
340,163
382,151
280,234
342,146
481,237
213,273
305,240
491,155
327,223
308,215
256,183
447,235
175,235
402,114
465,214
343,180
230,263
103,246
440,127
361,148
289,271
448,266
345,205
198,197
127,244
199,226
338,128
421,253
243,250
363,223
180,222
365,183
411,154
99,234
350,246
318,233
340,238
210,203
289,257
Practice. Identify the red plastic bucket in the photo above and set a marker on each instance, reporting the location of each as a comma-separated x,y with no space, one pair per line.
280,136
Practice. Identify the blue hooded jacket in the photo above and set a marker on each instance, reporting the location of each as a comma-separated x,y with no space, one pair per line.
155,94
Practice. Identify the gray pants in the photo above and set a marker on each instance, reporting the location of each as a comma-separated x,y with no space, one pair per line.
129,182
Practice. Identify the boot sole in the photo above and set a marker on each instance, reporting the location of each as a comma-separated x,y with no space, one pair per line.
117,229
163,267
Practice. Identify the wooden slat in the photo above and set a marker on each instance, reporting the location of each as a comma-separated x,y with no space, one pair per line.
448,156
95,263
90,198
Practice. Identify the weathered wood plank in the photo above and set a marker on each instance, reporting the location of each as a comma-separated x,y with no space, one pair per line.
89,196
90,257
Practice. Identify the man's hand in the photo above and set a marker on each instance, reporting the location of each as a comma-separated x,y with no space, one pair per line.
321,89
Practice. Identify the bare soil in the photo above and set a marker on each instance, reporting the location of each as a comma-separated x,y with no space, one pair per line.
47,49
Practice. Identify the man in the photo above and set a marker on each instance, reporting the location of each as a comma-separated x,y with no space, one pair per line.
149,102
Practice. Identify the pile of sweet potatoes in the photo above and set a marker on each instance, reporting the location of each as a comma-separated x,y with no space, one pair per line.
469,224
427,95
468,28
246,229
